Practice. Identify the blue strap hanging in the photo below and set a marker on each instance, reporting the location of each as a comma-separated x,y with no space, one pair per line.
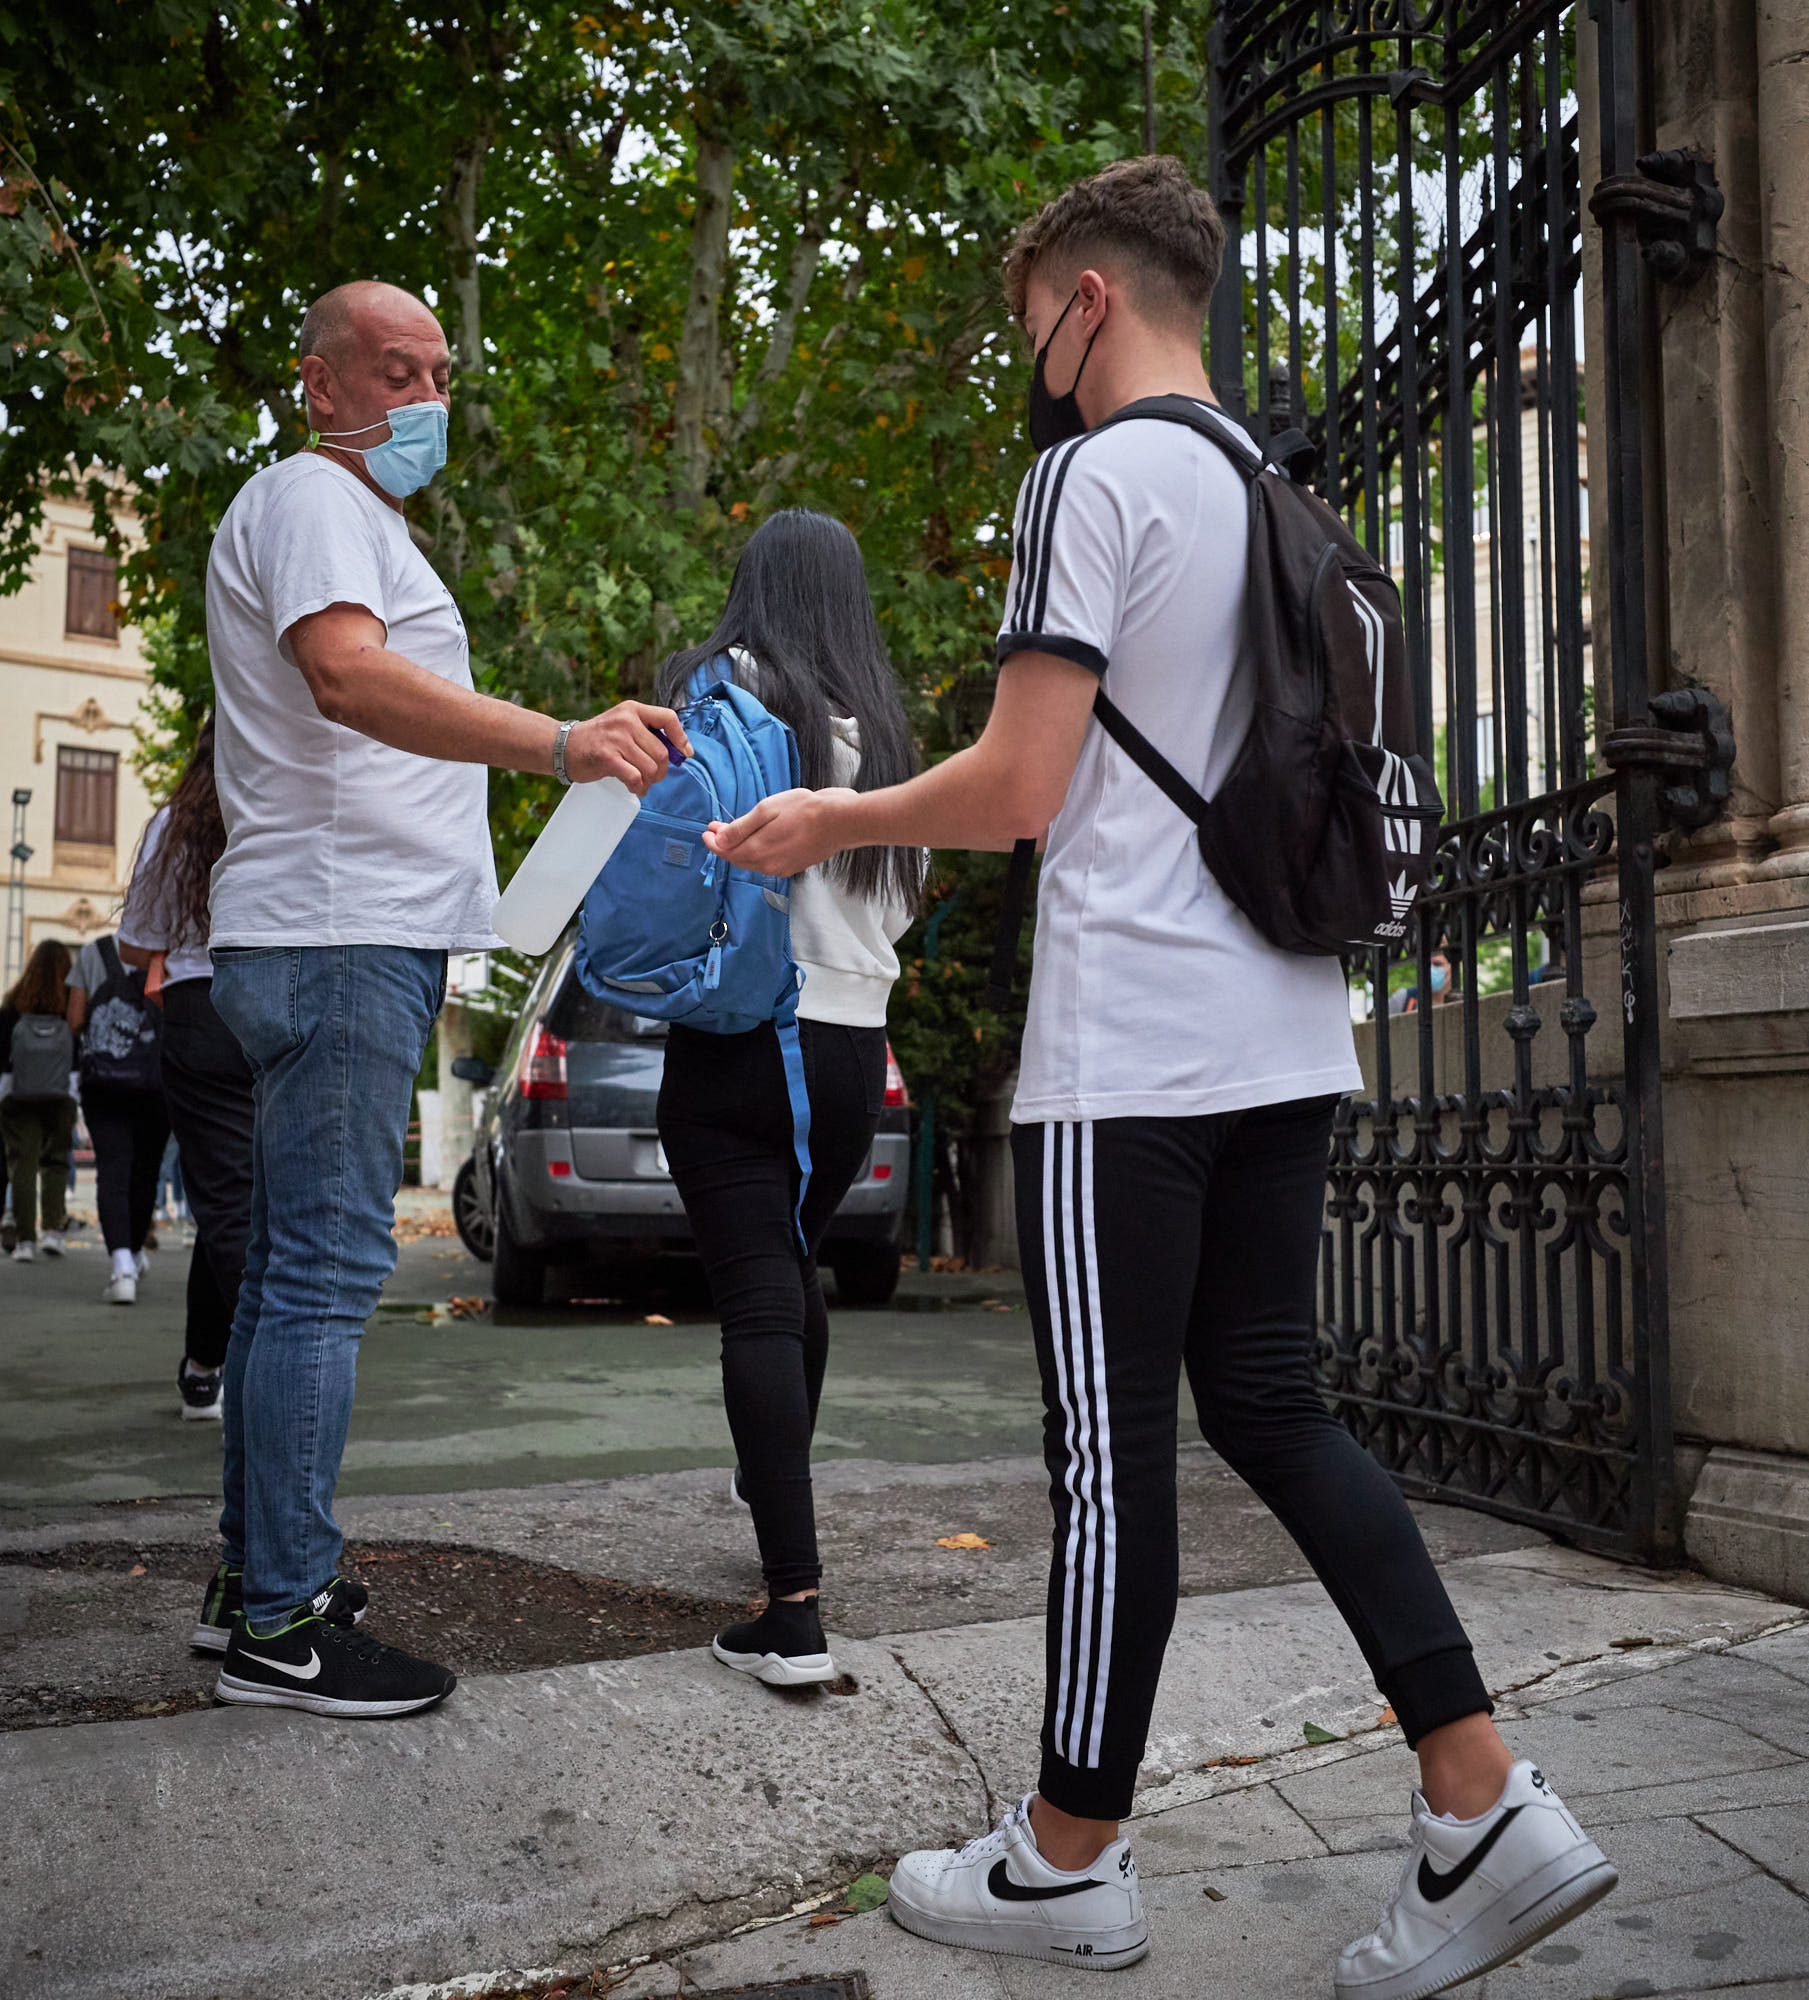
791,1052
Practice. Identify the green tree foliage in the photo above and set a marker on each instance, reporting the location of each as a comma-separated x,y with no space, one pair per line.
696,262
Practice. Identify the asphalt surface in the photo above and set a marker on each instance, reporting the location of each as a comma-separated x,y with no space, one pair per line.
576,1390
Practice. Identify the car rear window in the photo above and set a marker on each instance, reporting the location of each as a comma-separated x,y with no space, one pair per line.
579,1016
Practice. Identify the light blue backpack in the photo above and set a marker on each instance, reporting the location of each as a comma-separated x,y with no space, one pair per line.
673,932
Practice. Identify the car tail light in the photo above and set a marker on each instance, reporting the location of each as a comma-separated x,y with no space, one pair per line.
542,1072
895,1085
559,1169
882,1173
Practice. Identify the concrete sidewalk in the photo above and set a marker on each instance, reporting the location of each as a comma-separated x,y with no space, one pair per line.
584,1815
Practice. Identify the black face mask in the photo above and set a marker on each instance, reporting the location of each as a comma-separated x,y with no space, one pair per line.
1056,418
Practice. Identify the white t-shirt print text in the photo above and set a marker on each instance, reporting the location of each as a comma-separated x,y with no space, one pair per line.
1152,994
331,837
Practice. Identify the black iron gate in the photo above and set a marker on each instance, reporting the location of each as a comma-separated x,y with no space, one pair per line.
1400,185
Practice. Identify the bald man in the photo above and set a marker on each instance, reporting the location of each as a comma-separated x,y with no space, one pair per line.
351,748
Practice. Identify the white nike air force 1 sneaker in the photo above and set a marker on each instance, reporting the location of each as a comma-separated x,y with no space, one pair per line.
1477,1892
998,1894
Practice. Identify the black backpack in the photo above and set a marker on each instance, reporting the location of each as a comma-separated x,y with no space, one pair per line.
1325,828
122,1030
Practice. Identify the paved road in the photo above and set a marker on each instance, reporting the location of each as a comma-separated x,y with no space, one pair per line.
88,1409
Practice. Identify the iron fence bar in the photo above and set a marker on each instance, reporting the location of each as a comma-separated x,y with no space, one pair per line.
1637,792
1507,570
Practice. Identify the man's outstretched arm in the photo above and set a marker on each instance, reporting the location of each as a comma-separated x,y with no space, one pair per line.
1006,788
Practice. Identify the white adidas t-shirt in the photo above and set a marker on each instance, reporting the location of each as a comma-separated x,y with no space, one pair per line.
1152,994
332,837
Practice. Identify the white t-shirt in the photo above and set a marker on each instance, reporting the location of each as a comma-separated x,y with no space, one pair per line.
148,921
1152,995
332,837
843,941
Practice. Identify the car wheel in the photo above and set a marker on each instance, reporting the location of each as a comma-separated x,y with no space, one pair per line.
866,1274
517,1276
469,1213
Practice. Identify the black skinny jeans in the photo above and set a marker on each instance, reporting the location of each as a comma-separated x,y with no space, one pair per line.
128,1128
1150,1245
207,1084
725,1122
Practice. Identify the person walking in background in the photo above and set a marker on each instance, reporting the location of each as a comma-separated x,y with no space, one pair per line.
163,929
119,1036
349,761
37,1103
798,631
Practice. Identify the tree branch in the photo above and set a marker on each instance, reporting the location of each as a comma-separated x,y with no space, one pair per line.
801,271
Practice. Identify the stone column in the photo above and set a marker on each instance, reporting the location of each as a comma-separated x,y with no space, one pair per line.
1720,581
1783,162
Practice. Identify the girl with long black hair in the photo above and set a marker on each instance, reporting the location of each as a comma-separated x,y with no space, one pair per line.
798,631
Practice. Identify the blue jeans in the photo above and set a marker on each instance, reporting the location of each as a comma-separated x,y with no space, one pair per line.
335,1035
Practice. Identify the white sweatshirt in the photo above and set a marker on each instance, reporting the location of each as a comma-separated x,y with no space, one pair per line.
842,940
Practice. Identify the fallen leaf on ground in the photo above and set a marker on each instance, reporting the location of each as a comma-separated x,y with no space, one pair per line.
865,1892
1217,1895
822,1918
962,1542
1628,1645
1386,1717
1227,1763
656,1319
1314,1734
137,1569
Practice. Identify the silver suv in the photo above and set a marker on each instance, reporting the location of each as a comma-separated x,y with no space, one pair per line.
567,1167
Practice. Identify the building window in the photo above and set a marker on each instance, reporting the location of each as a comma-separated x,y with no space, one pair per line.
93,586
87,797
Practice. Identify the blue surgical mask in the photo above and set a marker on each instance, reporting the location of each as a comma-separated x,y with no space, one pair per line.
1440,978
412,453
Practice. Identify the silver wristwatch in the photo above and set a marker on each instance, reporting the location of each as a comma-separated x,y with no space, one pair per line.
559,770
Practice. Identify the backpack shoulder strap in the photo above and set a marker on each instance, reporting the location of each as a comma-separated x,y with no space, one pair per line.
116,969
1207,420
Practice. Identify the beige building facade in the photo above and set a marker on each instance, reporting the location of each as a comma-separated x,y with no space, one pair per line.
72,689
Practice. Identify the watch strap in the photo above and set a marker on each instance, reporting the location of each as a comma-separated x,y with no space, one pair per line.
559,770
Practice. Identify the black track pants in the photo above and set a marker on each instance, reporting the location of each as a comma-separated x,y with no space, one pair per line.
1151,1245
725,1122
128,1129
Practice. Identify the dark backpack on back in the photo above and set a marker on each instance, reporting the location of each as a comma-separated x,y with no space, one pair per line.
121,1033
43,1055
1325,828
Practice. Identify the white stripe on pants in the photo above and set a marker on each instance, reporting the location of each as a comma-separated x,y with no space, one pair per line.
1071,1273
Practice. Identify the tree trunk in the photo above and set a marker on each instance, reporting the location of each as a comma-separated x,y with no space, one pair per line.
458,218
700,343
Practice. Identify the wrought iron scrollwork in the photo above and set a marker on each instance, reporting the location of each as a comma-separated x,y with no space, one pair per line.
1405,242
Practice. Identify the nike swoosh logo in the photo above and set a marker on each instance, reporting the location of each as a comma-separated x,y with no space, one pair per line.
1436,1887
1008,1891
307,1673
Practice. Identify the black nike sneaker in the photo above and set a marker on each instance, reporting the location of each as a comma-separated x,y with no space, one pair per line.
998,1894
1475,1893
327,1669
343,1602
784,1646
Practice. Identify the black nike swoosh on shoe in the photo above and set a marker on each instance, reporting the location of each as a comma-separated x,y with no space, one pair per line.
1008,1891
1436,1887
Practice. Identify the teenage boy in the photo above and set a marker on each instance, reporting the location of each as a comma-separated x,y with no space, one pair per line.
1170,1136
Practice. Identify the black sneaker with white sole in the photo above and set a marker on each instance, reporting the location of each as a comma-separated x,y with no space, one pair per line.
1477,1892
784,1646
343,1602
328,1670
